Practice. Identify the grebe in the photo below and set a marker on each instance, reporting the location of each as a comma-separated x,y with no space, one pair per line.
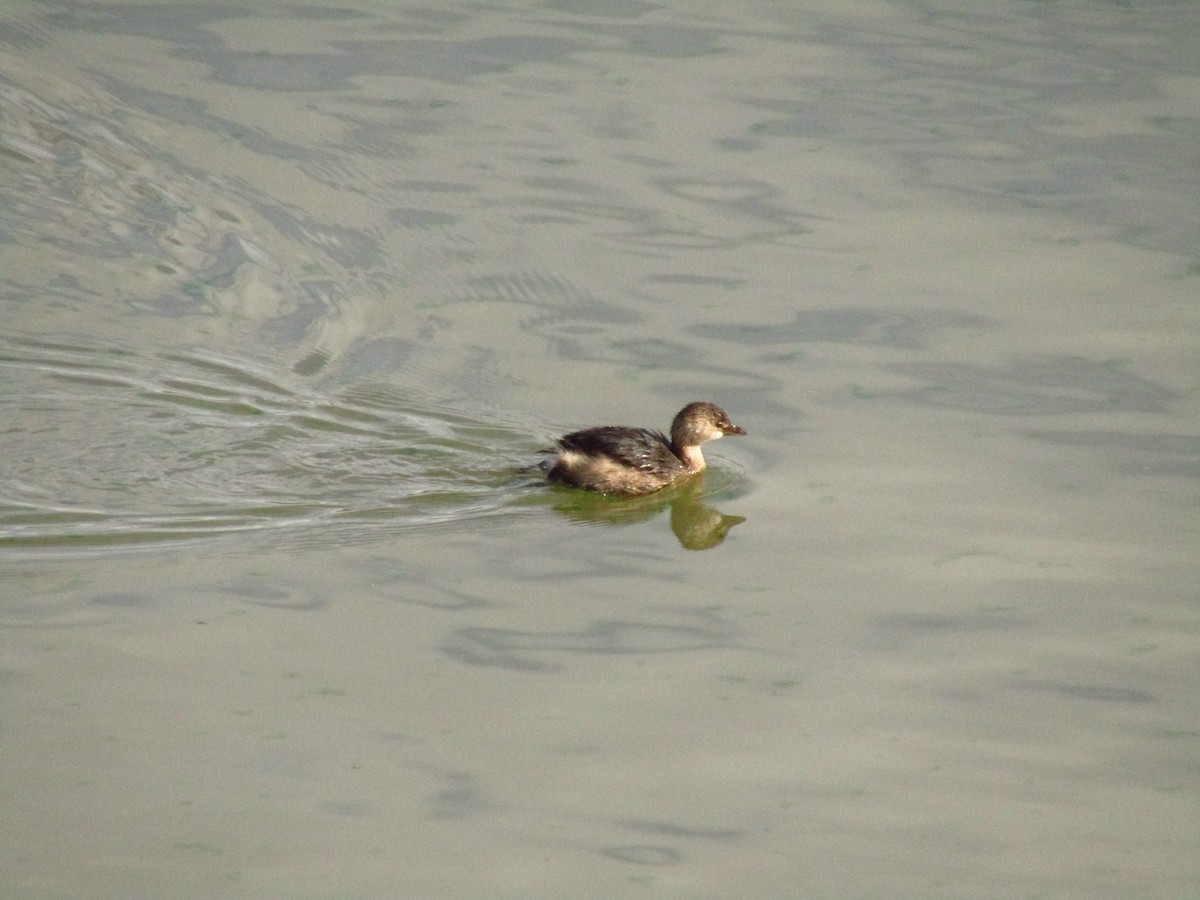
613,459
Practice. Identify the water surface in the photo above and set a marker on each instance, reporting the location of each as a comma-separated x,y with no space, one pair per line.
292,297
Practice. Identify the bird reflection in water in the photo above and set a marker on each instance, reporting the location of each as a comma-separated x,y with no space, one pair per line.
697,525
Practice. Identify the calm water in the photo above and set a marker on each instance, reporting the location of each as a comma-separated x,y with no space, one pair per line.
292,297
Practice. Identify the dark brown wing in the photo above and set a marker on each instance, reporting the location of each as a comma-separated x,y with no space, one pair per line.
639,448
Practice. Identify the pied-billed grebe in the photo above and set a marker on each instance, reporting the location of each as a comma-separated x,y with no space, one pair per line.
613,459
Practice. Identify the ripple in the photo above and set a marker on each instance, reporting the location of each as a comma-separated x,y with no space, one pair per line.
113,449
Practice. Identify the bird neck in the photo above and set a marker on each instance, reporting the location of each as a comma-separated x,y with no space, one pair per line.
691,457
